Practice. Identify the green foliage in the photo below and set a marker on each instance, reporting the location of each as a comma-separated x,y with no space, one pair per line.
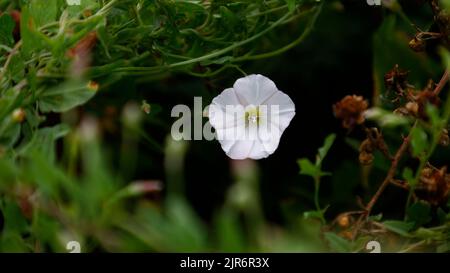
315,172
6,31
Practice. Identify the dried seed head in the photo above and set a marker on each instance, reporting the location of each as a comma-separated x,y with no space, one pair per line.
434,186
396,80
350,109
427,96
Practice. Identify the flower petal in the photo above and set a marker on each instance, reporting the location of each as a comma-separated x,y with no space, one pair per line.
285,112
254,89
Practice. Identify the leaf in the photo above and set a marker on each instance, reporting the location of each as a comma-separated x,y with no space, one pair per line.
433,113
43,141
307,168
32,39
323,151
338,243
43,11
7,25
67,96
399,227
418,141
291,4
386,118
419,213
408,176
314,214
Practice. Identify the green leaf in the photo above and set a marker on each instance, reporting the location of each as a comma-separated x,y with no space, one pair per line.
67,96
399,227
43,141
32,39
308,168
433,113
7,25
418,141
338,243
408,176
43,11
314,214
325,148
419,213
291,4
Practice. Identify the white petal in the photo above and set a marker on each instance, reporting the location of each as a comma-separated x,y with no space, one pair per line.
254,89
227,97
285,112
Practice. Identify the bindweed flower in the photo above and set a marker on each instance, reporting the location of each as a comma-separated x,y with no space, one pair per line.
250,118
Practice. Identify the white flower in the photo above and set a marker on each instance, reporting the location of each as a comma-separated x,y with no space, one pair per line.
250,118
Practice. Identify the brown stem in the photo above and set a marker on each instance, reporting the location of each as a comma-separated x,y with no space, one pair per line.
441,83
390,174
389,177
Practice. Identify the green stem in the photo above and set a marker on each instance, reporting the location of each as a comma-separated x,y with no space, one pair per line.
293,44
316,198
212,55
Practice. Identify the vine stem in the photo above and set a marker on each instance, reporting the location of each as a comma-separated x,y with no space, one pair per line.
158,69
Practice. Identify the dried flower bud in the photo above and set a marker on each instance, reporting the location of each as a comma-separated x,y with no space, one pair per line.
396,80
434,186
343,221
350,109
418,45
444,140
366,150
412,108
